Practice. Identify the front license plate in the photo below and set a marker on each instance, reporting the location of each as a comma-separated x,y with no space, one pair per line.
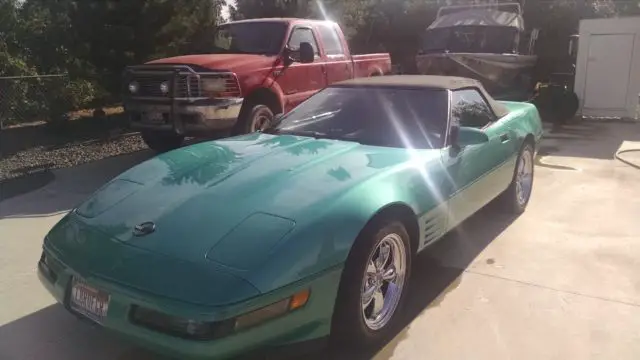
89,301
153,117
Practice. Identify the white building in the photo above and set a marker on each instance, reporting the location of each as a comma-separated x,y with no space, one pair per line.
608,67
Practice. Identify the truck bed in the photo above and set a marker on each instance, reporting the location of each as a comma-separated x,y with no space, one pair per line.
368,64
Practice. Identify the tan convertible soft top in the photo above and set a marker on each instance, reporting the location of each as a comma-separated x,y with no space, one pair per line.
427,81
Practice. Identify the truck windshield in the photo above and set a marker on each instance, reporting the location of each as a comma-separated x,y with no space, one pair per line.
380,116
264,38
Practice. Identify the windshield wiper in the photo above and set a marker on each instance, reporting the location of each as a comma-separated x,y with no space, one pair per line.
318,135
309,133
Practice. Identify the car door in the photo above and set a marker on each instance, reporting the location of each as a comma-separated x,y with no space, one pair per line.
299,81
338,63
478,172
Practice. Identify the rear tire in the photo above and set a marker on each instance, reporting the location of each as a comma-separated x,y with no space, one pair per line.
370,285
253,117
515,199
162,141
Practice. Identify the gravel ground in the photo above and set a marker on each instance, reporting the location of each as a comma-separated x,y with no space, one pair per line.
39,158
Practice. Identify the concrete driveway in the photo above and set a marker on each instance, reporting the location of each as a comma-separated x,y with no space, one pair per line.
561,281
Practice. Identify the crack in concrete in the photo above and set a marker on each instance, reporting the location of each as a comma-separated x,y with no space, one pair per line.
553,289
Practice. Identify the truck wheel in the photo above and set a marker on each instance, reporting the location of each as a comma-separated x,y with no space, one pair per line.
569,105
161,141
253,117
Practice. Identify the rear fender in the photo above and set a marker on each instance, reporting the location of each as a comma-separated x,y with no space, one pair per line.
524,121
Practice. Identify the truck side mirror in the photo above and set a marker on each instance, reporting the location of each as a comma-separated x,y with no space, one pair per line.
307,54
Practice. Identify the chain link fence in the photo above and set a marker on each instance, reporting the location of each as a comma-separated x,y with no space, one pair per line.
48,98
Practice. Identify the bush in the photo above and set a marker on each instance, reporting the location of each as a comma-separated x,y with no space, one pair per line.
45,98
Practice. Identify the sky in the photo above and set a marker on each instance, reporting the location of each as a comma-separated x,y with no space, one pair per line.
225,10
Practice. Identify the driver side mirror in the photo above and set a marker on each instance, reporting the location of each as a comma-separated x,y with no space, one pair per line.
307,54
465,136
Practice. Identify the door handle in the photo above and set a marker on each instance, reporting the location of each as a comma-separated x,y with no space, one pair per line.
504,138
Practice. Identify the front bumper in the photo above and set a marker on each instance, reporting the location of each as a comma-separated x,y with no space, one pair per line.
189,116
311,322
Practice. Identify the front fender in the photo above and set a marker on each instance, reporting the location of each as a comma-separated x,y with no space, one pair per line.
324,239
257,81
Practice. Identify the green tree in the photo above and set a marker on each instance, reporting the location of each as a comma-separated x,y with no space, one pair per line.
94,40
12,61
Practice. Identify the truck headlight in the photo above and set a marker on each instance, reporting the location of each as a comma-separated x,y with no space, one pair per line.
134,87
164,87
213,85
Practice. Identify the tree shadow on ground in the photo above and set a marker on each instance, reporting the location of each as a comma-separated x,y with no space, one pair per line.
603,138
35,179
49,192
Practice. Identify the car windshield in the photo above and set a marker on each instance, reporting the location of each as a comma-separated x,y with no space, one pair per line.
393,117
264,38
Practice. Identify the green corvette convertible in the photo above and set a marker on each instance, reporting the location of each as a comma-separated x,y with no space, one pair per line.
300,231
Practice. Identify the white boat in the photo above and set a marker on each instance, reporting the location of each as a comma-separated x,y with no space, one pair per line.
481,42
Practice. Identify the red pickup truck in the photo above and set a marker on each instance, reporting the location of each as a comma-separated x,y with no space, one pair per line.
254,70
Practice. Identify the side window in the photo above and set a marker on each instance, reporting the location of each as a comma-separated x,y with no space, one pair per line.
300,35
330,40
468,108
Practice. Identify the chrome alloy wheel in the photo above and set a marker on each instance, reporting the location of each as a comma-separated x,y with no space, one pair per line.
260,122
524,176
383,282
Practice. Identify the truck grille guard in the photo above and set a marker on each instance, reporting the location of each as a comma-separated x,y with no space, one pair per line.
183,81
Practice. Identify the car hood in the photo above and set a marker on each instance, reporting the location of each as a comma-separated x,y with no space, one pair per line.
93,254
230,62
197,195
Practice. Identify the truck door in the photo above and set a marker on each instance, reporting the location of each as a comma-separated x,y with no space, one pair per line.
299,81
338,61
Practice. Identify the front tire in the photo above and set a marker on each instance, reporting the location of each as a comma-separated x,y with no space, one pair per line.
252,118
373,285
162,141
516,198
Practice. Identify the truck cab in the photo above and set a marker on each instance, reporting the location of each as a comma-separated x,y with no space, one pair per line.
253,70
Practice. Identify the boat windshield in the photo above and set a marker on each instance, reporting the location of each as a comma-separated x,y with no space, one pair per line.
471,39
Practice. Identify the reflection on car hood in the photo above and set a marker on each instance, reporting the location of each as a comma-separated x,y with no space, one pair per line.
198,194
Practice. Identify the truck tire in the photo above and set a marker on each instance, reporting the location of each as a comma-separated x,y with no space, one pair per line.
162,141
253,117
